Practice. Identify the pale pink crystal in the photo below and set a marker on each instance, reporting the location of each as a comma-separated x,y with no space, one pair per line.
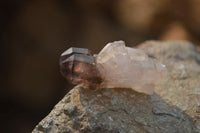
126,67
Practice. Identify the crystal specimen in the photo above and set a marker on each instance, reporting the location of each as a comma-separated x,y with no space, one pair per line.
116,66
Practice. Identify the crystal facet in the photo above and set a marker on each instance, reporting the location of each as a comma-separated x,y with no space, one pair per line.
78,67
116,66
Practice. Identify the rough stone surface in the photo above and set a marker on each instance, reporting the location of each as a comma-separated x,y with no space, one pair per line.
173,108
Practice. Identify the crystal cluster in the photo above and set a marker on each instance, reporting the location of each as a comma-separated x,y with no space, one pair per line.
116,66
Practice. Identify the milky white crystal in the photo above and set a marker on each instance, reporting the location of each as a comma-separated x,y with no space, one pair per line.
125,67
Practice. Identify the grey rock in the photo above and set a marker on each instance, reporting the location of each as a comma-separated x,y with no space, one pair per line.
173,108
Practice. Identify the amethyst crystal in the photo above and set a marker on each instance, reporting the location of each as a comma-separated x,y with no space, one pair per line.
116,66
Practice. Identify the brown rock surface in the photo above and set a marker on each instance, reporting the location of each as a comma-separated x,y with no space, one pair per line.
173,108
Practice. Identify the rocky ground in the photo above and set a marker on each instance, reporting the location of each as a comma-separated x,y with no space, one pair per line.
173,108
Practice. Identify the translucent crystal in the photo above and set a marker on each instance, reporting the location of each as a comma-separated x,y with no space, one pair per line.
126,67
78,67
116,66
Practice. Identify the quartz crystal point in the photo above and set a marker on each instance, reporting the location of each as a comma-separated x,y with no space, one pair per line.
78,67
116,66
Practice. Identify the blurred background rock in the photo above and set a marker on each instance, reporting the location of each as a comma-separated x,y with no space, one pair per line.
35,32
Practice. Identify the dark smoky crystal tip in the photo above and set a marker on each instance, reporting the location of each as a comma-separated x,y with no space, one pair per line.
79,57
77,65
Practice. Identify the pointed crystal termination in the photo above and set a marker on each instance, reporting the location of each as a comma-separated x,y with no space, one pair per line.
78,67
116,66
